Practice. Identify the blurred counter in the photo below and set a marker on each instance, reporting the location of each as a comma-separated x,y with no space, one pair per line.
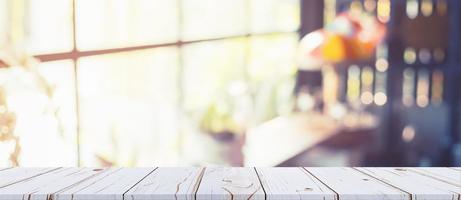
287,137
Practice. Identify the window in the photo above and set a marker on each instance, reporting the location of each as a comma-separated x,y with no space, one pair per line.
127,73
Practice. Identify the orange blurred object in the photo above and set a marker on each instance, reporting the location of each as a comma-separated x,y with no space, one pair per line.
347,38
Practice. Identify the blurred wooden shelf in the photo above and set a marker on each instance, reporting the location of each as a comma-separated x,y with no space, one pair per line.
285,137
229,183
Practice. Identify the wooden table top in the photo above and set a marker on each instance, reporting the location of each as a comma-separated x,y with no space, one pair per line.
230,183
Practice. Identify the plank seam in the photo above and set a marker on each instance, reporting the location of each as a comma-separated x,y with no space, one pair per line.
336,193
402,190
313,178
25,179
260,182
123,195
6,168
433,177
199,181
456,169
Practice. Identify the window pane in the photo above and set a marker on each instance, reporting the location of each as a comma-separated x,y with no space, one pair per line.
275,15
128,108
44,114
109,23
44,26
272,68
209,69
213,18
3,22
61,78
272,57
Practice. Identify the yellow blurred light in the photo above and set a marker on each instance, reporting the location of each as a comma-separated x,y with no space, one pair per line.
384,10
353,83
367,76
409,55
5,130
356,7
422,89
437,87
334,48
426,7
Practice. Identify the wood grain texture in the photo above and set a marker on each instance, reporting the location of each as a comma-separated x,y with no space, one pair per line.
168,183
110,184
351,184
230,183
440,173
14,175
292,183
418,185
44,186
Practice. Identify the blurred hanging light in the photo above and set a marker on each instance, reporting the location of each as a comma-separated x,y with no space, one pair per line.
380,98
409,55
384,10
355,7
442,7
426,7
412,9
369,5
422,89
424,56
381,64
353,83
408,87
366,98
367,77
408,133
437,87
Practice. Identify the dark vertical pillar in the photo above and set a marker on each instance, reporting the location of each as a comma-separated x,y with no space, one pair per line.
392,124
452,83
311,16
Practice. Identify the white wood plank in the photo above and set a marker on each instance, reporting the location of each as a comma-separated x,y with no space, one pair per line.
419,186
14,175
351,184
230,183
4,168
168,183
290,183
440,173
42,187
111,184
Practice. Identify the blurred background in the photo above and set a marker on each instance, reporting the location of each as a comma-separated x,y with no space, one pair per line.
230,82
